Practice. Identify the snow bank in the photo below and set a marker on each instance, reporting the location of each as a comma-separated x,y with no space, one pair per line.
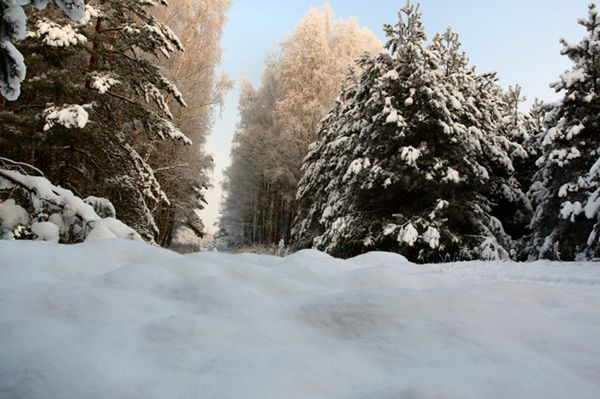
121,319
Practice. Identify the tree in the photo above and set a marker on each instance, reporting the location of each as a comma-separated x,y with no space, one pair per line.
279,122
183,170
12,29
410,159
566,189
94,105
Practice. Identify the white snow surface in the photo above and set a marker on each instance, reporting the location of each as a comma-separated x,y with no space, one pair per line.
121,319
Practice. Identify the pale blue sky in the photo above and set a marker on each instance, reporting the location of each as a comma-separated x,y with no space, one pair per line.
519,39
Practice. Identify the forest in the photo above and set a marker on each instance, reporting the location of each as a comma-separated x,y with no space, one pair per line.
395,223
349,145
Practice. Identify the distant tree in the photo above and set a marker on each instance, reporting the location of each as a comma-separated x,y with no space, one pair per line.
183,171
566,189
279,122
410,159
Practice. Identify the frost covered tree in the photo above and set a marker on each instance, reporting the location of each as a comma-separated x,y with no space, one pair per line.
279,120
183,171
410,158
566,189
245,208
12,29
95,104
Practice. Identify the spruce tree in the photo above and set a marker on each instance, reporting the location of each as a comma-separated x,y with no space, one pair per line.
100,72
566,190
410,159
13,29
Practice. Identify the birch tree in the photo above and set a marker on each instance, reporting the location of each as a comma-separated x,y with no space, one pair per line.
300,84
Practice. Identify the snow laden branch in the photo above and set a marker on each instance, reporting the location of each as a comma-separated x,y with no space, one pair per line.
14,23
52,213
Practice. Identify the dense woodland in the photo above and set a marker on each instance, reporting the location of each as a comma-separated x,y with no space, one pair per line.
423,155
348,145
117,103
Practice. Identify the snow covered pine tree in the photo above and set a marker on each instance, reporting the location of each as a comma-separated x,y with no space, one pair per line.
107,105
566,190
409,160
13,28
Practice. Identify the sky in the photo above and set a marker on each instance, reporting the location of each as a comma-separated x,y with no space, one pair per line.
518,39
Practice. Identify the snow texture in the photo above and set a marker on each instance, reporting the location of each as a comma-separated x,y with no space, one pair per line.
103,82
10,87
70,209
46,231
11,215
69,116
409,235
55,35
121,319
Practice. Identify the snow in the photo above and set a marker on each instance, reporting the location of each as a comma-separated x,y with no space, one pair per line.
75,9
410,155
409,235
592,206
452,175
356,167
110,228
391,75
167,130
46,231
103,81
432,237
69,116
69,209
56,35
574,131
11,88
121,319
15,18
570,210
393,117
573,77
11,215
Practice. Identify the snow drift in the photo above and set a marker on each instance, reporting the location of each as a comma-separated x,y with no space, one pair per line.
121,319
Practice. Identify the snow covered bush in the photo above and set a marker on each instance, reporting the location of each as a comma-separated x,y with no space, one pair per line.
566,189
102,105
13,28
51,213
411,159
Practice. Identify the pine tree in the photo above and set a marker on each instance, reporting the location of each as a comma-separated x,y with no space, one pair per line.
13,29
410,159
98,72
566,190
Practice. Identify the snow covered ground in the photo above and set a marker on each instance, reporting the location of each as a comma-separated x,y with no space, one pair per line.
120,319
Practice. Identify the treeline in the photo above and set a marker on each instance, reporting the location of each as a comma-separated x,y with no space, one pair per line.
277,124
117,104
423,155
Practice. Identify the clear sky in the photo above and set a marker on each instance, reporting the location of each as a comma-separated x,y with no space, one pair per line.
519,39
